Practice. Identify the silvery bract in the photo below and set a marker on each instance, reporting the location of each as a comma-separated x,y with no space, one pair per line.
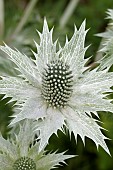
56,88
21,153
107,43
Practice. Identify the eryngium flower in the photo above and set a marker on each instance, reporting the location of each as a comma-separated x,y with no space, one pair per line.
19,153
56,88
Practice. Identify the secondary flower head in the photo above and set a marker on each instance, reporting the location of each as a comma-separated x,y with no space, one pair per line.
57,88
20,153
107,43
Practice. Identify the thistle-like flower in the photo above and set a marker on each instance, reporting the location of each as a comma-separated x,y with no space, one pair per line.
19,152
57,89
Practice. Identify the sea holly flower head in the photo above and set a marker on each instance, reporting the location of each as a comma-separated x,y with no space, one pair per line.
21,153
57,89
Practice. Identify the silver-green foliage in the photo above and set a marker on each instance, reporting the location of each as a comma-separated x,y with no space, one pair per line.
22,146
107,43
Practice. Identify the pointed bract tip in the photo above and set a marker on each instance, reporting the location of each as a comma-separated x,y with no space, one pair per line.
83,25
39,33
45,26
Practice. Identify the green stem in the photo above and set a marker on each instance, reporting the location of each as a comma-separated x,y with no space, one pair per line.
68,12
1,19
25,17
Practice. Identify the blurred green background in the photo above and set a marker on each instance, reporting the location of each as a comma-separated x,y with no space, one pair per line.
19,20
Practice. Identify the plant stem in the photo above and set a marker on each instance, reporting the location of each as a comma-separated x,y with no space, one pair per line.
25,17
1,19
68,12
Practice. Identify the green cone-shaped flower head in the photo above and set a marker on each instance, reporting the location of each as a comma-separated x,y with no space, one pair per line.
24,163
20,153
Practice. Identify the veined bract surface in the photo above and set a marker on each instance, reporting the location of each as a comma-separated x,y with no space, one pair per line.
56,88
